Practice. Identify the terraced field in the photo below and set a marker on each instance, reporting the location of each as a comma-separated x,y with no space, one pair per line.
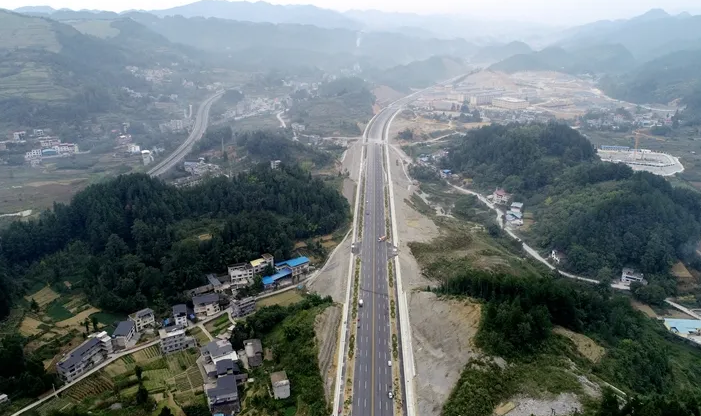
91,386
147,355
55,404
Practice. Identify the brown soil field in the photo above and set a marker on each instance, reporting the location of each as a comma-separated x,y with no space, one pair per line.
585,345
30,326
43,297
78,319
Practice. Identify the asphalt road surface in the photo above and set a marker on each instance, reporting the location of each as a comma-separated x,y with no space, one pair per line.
373,374
198,129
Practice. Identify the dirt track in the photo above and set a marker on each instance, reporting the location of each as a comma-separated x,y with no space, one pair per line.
326,330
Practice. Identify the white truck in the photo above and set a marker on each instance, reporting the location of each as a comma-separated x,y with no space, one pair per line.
360,302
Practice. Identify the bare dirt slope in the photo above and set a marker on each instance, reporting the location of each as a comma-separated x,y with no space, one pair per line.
442,329
333,278
442,346
326,330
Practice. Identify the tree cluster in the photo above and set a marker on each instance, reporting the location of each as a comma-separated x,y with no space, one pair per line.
520,158
121,240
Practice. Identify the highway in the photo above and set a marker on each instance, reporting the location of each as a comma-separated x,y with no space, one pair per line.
201,121
373,375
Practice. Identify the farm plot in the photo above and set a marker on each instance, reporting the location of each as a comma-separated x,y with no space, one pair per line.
182,383
200,336
155,380
55,404
147,355
30,326
180,361
119,367
78,319
43,297
57,312
195,376
91,386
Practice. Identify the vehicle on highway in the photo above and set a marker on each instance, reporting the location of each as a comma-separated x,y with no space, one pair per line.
390,395
389,363
383,238
360,302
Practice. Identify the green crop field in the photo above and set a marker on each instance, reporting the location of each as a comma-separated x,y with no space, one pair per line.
155,380
181,361
195,377
57,403
56,311
91,386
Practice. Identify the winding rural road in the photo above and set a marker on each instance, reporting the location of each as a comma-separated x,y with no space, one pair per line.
201,121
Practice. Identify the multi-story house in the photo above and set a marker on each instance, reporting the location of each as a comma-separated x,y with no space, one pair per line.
125,332
223,396
243,307
206,305
241,274
144,318
86,356
180,314
298,265
174,339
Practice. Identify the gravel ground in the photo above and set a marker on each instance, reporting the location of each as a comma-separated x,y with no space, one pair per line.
564,404
326,330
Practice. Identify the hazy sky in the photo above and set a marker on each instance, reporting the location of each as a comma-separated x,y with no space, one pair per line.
557,12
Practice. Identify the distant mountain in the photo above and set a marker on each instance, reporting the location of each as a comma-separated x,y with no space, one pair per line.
497,53
589,59
647,37
292,42
35,9
50,73
662,80
418,74
261,11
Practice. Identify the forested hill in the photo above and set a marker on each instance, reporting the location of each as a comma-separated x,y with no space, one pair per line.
602,215
521,158
123,239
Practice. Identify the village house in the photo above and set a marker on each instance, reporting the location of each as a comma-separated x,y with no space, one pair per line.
558,256
517,206
629,276
206,305
125,332
243,307
254,352
87,355
500,196
143,319
241,274
223,396
298,265
281,385
180,314
174,339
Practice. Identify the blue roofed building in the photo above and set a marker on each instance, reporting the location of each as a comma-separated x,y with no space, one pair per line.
685,328
298,265
282,278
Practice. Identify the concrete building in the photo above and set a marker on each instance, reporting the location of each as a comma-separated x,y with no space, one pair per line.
174,339
243,307
134,149
629,275
510,103
123,334
282,278
500,196
146,157
49,142
206,305
33,154
241,274
558,257
18,136
517,206
223,396
685,328
299,265
254,352
81,359
4,399
180,314
281,385
217,356
143,319
274,164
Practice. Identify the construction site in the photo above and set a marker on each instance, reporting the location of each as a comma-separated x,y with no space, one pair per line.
638,159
